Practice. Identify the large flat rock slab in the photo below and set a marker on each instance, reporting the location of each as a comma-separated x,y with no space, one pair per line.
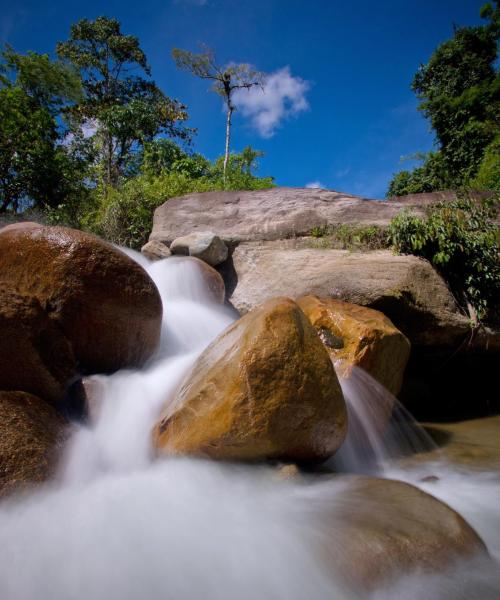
407,289
272,214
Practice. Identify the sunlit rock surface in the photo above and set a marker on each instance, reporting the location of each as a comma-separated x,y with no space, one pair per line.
273,214
265,388
406,289
359,336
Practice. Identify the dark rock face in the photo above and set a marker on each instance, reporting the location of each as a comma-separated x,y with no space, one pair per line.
31,436
105,304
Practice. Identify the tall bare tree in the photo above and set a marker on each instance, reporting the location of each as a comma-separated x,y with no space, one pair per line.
225,81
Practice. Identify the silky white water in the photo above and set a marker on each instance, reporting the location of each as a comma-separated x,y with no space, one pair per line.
118,525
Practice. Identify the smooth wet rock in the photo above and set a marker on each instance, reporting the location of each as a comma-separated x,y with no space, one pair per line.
265,388
358,336
104,302
376,530
205,245
32,436
156,250
473,443
35,355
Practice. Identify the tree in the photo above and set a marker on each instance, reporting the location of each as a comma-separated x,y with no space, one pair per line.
125,110
225,81
34,166
459,92
51,84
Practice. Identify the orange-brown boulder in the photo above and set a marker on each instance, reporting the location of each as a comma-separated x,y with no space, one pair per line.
265,388
359,336
375,530
32,434
35,356
104,302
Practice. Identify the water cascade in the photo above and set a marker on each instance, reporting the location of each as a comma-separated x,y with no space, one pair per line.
371,443
118,524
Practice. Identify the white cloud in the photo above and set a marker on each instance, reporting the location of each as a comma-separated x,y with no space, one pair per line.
315,185
282,96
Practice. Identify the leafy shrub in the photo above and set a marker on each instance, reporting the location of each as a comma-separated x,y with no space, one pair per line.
429,176
460,238
125,215
488,175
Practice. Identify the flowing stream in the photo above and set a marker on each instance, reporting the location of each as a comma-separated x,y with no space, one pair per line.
117,524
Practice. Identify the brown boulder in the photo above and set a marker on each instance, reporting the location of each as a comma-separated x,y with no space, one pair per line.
35,356
31,437
379,529
104,302
359,336
265,388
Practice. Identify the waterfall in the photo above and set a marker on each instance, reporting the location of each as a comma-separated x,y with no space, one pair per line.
373,439
130,401
117,524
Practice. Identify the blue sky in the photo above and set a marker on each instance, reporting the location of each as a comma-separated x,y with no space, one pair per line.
338,111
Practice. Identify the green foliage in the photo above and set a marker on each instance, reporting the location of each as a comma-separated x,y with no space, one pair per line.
459,92
488,175
34,167
350,237
126,110
88,137
51,84
124,215
430,176
461,239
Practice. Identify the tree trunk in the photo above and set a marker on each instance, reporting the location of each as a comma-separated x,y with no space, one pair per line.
109,157
228,138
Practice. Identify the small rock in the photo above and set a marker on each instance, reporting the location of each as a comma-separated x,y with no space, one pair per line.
430,479
155,250
206,246
288,472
